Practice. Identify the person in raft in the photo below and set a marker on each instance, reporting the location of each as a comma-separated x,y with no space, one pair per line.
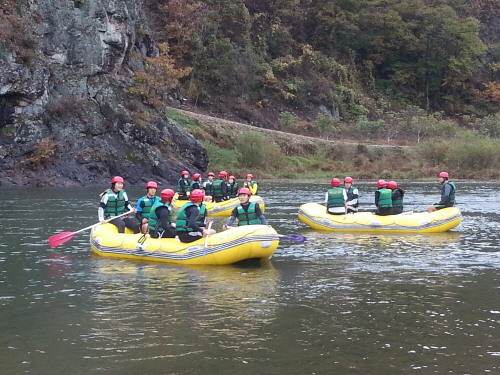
144,204
251,184
191,219
397,197
114,202
160,219
208,187
247,213
232,187
220,188
383,199
352,196
183,186
447,193
335,199
196,184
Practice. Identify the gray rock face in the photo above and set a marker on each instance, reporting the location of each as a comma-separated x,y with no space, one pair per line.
66,116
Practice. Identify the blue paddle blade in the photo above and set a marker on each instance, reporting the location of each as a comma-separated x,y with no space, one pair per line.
295,238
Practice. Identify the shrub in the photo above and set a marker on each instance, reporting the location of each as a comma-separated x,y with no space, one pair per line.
288,121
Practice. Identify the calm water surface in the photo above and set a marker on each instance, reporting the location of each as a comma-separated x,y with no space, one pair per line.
340,303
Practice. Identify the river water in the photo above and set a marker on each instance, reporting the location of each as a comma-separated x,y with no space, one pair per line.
340,303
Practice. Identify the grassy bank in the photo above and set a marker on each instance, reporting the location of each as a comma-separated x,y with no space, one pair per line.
241,149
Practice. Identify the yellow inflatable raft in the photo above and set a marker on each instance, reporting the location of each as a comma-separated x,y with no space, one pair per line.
221,208
237,244
314,215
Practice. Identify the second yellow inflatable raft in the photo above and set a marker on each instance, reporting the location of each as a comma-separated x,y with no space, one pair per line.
315,216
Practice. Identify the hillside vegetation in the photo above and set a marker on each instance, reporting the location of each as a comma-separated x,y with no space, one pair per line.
422,73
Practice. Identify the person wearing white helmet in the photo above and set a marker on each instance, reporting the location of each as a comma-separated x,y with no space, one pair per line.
447,193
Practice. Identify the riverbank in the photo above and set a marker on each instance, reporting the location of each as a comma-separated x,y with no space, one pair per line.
242,148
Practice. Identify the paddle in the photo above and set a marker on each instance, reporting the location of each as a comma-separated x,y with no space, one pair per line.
206,238
294,237
59,239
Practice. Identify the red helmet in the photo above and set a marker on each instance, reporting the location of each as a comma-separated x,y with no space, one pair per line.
184,172
392,185
167,194
335,182
349,180
381,184
444,175
210,174
196,176
232,177
117,179
223,174
250,175
151,184
244,191
197,195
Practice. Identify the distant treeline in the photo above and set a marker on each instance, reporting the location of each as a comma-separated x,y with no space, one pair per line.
355,58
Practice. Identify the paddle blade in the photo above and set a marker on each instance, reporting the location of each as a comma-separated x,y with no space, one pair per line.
295,238
59,239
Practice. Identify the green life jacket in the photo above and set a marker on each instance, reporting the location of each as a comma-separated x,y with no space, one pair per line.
232,190
209,188
146,210
115,205
182,186
452,194
398,202
336,197
351,196
153,222
217,188
385,198
248,217
182,220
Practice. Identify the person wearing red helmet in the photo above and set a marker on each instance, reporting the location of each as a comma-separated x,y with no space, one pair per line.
196,183
383,199
183,186
335,199
251,184
232,187
352,196
208,186
247,213
114,202
397,197
220,188
192,219
160,220
145,203
447,193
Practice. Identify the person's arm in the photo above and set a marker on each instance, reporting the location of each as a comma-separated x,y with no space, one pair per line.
354,200
224,190
445,198
163,216
326,200
102,206
377,197
128,206
232,218
139,208
253,188
260,215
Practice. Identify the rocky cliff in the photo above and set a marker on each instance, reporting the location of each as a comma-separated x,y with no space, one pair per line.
66,113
